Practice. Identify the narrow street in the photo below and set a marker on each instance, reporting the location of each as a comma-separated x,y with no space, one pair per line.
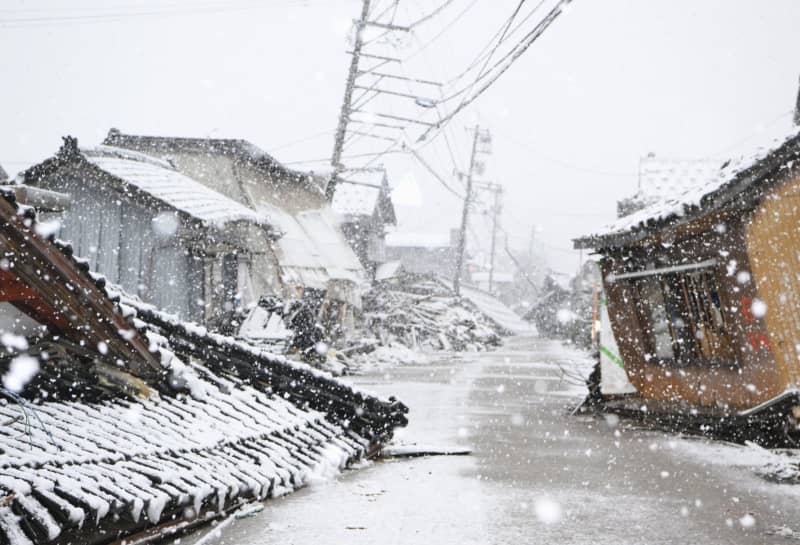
537,474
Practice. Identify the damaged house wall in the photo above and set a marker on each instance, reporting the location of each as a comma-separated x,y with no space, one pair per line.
311,252
157,233
363,201
701,285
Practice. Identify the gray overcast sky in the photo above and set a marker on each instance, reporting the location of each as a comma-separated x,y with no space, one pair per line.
607,83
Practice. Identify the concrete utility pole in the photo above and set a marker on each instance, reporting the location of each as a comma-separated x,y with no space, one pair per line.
498,190
344,115
462,234
530,244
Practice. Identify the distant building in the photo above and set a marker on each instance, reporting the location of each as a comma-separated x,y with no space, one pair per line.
500,280
423,253
364,202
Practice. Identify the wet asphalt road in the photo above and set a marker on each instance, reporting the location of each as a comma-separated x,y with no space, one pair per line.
536,475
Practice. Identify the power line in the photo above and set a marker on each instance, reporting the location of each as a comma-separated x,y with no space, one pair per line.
435,174
300,141
447,27
328,159
512,56
431,15
566,164
485,50
506,26
115,15
483,73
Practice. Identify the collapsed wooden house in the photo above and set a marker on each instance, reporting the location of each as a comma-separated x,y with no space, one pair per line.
703,292
200,226
121,421
363,200
158,233
310,256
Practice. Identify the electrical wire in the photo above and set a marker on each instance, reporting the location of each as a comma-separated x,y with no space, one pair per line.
483,73
484,52
123,14
512,57
430,15
450,25
561,162
506,26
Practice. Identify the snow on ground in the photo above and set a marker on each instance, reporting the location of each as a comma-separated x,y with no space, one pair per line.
384,357
773,465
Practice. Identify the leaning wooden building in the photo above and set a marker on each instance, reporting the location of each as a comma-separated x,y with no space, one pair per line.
703,289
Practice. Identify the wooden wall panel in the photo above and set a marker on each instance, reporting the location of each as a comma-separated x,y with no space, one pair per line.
773,242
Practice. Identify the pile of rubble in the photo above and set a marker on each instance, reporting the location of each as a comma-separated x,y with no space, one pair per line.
122,423
415,313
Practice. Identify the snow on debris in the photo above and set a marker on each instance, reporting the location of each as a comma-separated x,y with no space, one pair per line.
93,462
21,371
355,199
411,314
497,311
159,179
73,463
312,248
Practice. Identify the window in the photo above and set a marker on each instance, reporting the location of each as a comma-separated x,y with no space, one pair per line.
683,316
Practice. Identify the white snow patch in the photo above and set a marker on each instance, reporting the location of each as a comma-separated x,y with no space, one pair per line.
758,308
14,342
47,228
20,372
547,510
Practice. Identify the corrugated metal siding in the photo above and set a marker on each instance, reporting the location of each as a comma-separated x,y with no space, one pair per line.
118,239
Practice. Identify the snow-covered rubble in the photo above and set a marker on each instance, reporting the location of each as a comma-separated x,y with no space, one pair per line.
408,316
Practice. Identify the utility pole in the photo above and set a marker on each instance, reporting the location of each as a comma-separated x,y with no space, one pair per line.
462,234
530,244
344,115
498,190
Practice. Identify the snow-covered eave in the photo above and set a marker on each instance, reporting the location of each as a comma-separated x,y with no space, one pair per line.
238,149
739,188
132,189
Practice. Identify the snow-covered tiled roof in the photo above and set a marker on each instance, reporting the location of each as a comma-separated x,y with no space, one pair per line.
355,199
660,178
681,188
116,452
160,180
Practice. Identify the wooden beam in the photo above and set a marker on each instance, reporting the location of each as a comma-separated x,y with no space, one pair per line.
84,311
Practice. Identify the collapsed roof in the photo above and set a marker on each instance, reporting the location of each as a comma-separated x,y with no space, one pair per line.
364,193
132,418
238,149
311,249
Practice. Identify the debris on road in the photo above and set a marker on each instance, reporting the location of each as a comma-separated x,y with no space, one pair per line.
414,450
419,313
